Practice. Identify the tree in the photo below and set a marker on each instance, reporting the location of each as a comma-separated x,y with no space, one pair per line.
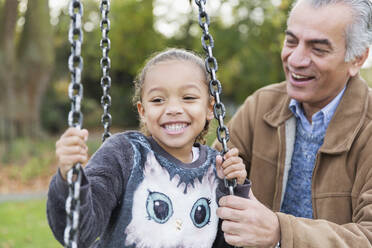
133,39
8,22
27,62
247,44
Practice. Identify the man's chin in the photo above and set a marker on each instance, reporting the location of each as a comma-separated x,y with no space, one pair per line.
299,95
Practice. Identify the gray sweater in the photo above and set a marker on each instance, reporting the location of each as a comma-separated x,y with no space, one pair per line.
135,194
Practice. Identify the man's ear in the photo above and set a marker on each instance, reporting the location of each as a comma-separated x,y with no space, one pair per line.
357,63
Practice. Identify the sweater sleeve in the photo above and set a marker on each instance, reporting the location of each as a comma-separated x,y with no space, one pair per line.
241,190
102,187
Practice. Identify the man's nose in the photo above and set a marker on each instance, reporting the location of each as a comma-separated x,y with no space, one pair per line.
299,57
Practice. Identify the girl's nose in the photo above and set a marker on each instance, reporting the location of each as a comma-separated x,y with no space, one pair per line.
174,108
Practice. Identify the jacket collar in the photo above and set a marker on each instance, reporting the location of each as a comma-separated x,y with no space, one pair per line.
346,122
281,112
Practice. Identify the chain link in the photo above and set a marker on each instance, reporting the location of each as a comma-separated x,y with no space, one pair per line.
215,87
75,119
105,62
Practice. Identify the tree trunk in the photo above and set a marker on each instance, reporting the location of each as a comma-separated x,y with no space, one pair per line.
36,57
7,74
27,69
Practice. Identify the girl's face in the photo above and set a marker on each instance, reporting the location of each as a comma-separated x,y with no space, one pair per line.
175,105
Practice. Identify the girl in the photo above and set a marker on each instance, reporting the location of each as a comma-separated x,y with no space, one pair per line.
158,188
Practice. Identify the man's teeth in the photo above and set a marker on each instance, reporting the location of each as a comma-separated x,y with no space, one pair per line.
296,76
175,127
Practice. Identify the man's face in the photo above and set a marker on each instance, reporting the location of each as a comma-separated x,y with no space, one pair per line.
313,54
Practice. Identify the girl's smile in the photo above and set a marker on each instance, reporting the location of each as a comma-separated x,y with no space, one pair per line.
175,127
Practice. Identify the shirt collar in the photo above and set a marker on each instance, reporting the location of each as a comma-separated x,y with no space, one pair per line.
325,113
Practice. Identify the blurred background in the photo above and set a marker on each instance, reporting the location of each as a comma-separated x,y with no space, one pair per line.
34,81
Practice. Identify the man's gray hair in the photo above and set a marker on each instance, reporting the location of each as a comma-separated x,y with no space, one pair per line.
359,33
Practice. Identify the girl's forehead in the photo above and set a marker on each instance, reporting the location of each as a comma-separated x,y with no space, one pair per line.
174,75
175,70
174,63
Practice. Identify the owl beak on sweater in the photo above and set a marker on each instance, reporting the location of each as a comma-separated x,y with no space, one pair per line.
178,224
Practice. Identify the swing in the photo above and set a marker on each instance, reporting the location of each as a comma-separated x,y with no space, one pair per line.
75,92
75,116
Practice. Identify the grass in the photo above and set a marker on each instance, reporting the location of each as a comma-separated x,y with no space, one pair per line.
24,225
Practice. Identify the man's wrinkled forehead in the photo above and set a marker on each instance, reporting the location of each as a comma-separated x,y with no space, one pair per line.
328,20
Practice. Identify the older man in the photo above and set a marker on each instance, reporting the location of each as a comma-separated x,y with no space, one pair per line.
307,142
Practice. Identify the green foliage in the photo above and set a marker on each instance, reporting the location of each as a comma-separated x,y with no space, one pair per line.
133,37
253,59
247,51
55,107
30,160
33,168
367,75
24,225
29,153
23,149
212,134
93,144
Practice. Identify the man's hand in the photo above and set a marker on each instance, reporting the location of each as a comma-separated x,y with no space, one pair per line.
247,222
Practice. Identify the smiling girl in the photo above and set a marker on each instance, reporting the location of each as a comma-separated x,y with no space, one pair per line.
158,187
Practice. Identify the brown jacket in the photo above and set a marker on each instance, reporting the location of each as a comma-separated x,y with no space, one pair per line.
263,130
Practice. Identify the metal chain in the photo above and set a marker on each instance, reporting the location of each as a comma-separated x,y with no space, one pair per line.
75,119
215,87
105,62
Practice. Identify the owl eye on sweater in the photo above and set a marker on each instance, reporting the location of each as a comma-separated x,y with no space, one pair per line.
165,215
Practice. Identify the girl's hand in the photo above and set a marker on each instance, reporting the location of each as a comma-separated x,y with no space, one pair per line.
71,149
232,167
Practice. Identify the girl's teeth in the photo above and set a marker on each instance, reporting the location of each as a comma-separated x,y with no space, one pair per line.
175,127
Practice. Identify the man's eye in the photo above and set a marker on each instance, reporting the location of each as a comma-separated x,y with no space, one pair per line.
319,50
290,42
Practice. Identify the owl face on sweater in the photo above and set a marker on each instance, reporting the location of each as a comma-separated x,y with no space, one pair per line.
166,215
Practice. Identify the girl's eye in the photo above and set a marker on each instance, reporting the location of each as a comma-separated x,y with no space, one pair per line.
157,100
189,97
